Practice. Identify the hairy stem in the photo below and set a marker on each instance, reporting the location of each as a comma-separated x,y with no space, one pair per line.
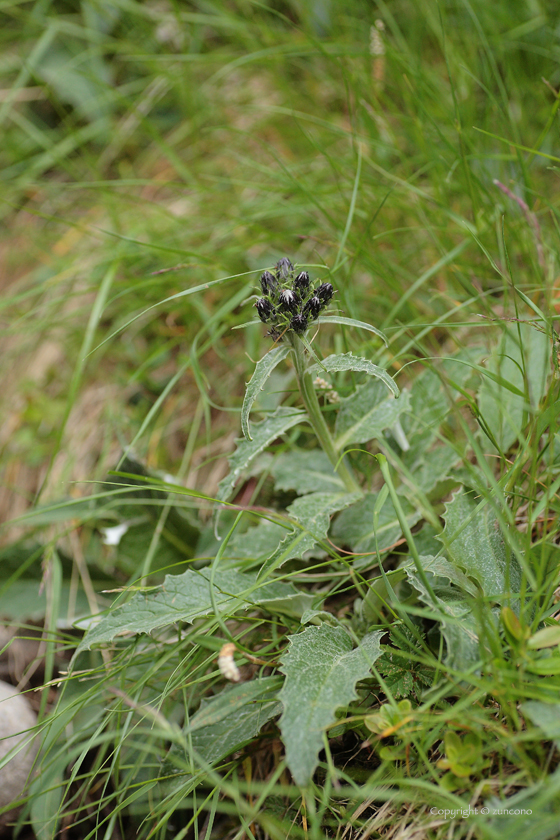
316,418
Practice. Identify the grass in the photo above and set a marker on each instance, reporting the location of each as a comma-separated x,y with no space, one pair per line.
150,150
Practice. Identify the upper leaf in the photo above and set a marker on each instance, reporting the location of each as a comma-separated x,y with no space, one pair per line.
187,597
346,361
351,322
321,671
263,434
365,414
263,369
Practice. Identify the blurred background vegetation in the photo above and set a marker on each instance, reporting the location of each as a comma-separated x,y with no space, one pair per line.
149,148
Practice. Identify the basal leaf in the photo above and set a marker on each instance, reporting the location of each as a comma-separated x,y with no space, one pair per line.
455,613
430,403
503,403
346,361
46,794
354,526
474,542
263,434
237,702
321,669
430,467
351,322
223,724
259,541
306,472
187,597
313,513
365,414
440,567
263,369
546,716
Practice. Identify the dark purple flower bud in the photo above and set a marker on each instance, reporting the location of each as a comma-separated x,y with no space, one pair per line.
299,323
313,307
284,268
301,283
288,300
268,283
325,293
265,309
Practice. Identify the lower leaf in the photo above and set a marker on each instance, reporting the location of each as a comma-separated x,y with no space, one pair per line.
321,669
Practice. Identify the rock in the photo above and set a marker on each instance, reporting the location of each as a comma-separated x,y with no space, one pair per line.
16,716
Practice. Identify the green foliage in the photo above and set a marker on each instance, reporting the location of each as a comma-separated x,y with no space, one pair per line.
464,757
475,544
223,724
403,677
247,449
263,369
155,158
346,361
312,514
186,597
305,472
367,413
321,669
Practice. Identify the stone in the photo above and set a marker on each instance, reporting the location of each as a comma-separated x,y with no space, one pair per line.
16,716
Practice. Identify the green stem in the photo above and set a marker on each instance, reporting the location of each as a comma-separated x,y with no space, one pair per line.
316,418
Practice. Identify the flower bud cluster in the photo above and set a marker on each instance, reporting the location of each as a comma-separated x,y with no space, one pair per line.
291,301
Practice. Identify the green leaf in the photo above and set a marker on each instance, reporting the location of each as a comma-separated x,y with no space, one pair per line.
263,369
259,541
237,708
440,567
346,361
79,77
46,792
503,399
546,716
187,597
403,676
312,513
354,527
546,665
430,404
458,625
431,468
351,322
306,472
321,671
475,544
263,434
547,637
366,413
223,724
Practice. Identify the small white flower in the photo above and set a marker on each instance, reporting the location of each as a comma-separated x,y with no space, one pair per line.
114,534
227,666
